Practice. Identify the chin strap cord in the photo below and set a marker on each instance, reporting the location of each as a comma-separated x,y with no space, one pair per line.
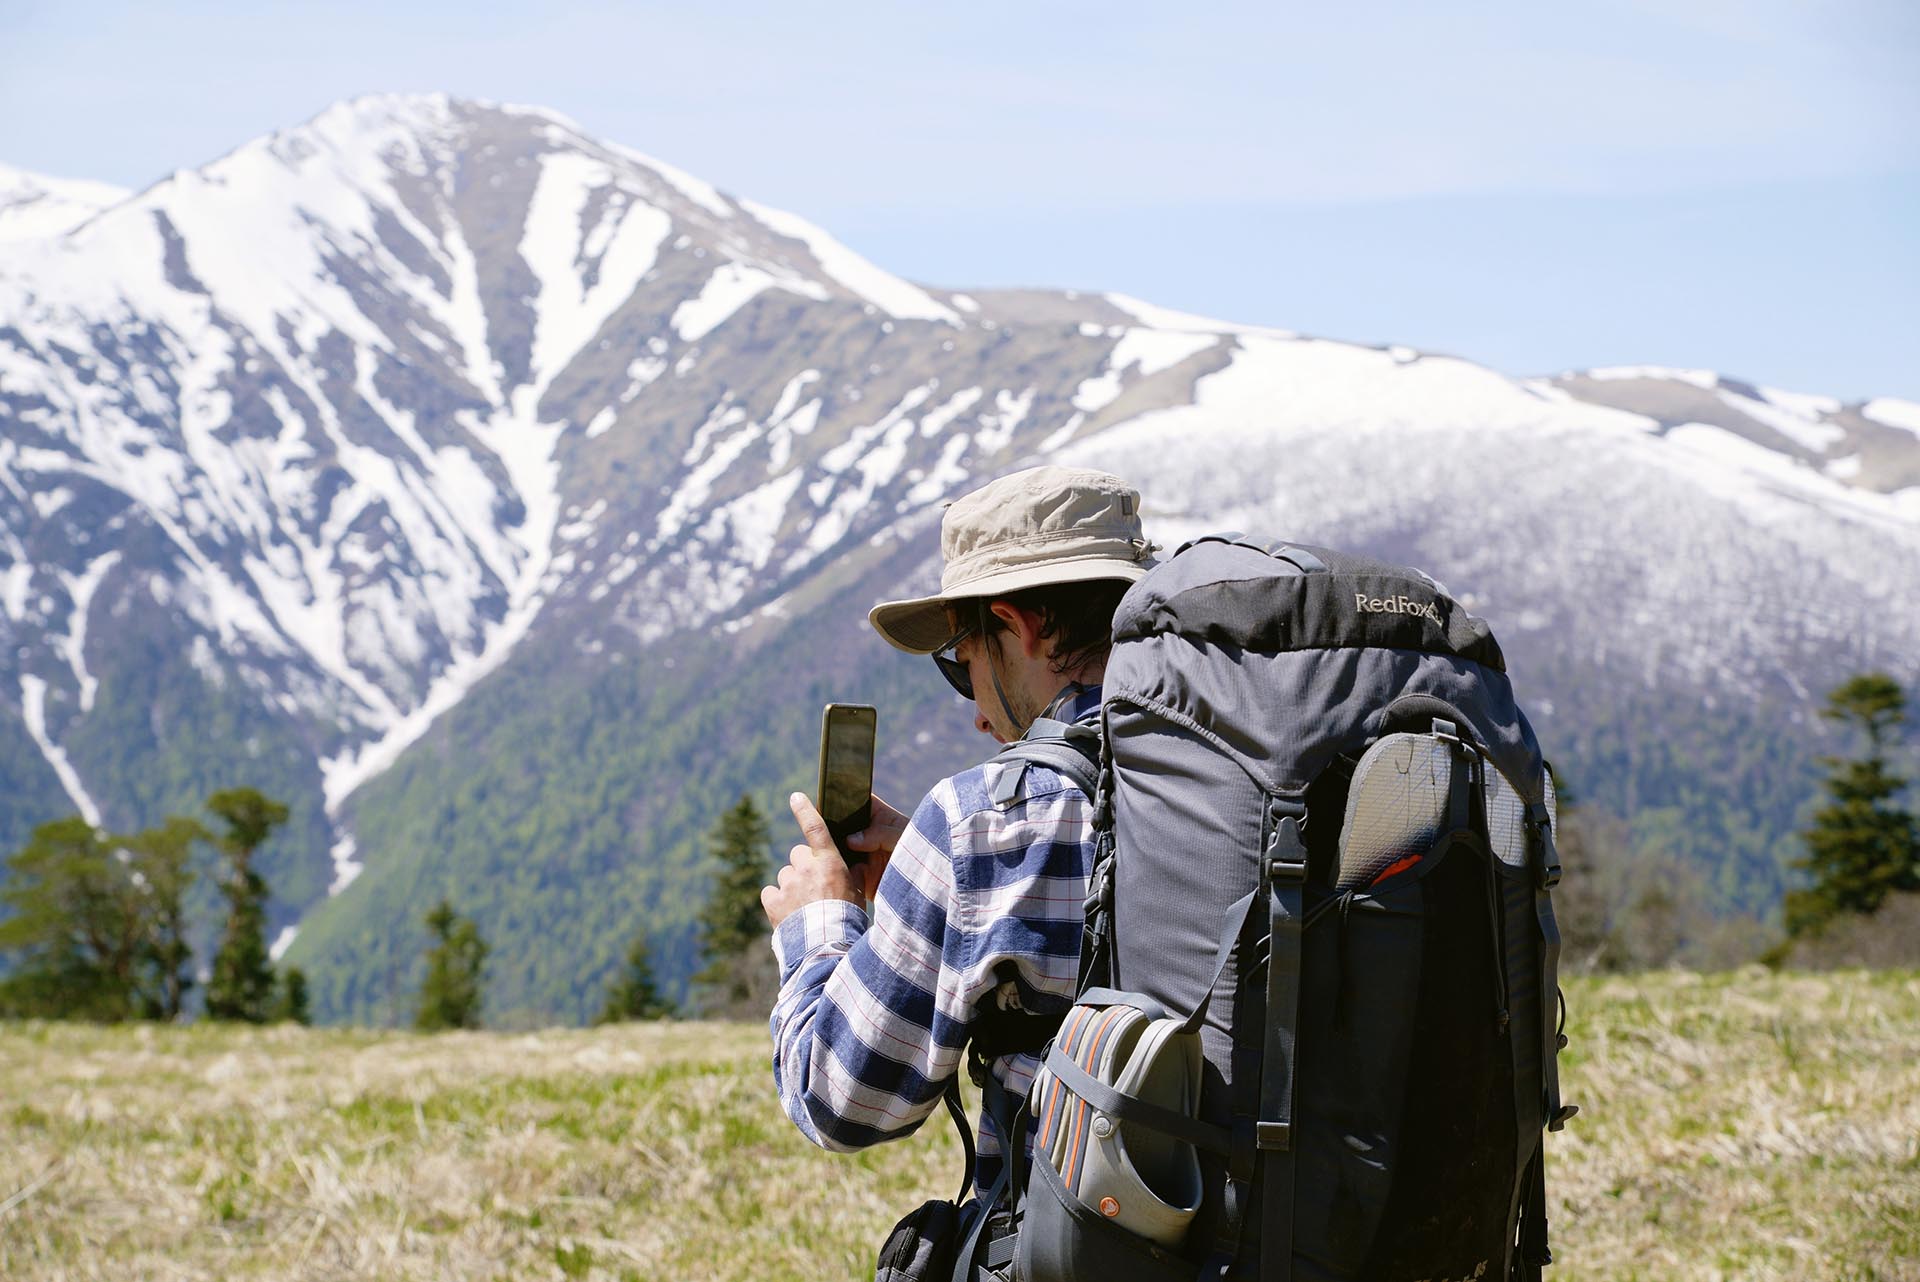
993,670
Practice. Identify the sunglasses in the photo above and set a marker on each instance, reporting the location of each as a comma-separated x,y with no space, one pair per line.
951,668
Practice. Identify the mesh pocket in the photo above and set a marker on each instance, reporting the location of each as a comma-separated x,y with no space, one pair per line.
1507,818
1396,807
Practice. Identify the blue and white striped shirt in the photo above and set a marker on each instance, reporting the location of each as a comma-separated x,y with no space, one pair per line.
872,1017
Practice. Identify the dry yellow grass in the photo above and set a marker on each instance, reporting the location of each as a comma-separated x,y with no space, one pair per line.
1743,1125
1738,1126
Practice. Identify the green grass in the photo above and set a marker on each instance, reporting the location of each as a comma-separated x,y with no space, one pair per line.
1733,1126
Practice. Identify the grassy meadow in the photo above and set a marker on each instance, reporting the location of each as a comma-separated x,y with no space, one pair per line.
1743,1125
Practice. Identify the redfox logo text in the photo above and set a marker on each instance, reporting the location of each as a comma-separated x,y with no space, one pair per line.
1395,605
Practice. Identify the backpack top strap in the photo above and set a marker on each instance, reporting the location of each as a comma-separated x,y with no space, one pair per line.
1299,558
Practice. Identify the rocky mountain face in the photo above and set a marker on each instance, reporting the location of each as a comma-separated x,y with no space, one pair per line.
509,501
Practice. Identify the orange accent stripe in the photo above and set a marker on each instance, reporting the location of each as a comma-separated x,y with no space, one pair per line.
1051,1105
1399,865
1090,1063
1055,1091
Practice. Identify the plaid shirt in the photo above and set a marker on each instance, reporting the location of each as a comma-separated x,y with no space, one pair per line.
872,1017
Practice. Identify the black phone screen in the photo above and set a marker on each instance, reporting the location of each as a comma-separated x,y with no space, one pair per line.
846,770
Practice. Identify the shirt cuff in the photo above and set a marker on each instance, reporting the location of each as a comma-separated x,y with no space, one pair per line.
824,924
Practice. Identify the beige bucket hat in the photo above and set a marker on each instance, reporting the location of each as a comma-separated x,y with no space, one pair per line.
1044,525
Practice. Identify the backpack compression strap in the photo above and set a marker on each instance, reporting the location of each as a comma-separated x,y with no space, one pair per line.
1533,1252
1284,873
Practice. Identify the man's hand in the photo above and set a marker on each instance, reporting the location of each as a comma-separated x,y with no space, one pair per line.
876,841
814,872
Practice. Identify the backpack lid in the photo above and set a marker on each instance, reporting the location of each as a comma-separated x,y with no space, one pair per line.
1239,594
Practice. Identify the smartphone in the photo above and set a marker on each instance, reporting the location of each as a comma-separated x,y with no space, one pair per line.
845,794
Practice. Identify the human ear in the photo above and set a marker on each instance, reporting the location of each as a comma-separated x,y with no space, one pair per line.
1024,624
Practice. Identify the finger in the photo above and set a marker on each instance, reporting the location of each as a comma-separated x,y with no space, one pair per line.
811,823
769,902
798,855
883,830
870,876
885,816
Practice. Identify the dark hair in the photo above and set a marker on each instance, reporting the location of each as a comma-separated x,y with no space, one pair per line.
1076,617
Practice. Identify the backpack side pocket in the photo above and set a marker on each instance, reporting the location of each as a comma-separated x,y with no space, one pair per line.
920,1248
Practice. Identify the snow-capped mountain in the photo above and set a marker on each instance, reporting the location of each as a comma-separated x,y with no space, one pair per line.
508,499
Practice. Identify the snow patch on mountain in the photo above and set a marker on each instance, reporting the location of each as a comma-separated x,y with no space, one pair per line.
855,449
791,420
1701,378
731,287
1166,319
556,246
33,710
1807,405
348,769
790,394
1809,431
698,190
73,646
346,863
1893,412
883,289
1096,393
936,421
714,449
876,453
1769,486
749,527
1148,351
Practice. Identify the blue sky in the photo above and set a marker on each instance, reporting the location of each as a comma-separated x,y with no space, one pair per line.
1724,183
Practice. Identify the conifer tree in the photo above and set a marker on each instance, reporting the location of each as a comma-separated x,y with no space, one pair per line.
241,984
733,925
290,1007
1862,845
450,996
634,993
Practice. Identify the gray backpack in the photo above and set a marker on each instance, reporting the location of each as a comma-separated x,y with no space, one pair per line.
1319,1017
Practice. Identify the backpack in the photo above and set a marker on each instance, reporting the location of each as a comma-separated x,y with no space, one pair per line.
1319,1016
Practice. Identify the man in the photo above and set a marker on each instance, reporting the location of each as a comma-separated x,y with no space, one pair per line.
973,896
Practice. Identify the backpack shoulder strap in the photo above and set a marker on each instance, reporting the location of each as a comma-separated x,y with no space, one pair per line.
1072,748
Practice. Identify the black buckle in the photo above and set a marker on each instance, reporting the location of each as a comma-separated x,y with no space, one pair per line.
1286,869
1274,1136
1100,892
1286,853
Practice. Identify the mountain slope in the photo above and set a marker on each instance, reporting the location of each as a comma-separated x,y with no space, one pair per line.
509,502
